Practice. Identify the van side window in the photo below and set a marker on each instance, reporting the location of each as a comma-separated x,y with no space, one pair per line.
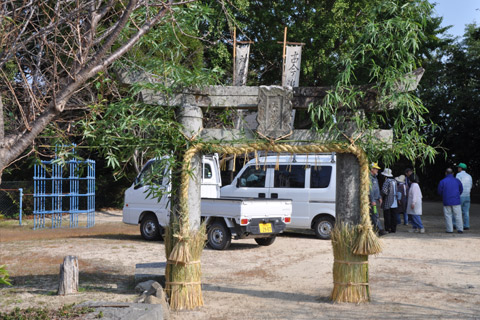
207,171
289,177
252,177
320,176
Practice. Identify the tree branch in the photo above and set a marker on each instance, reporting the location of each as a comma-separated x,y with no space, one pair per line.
2,125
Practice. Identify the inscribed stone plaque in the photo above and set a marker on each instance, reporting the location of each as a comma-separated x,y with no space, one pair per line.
274,111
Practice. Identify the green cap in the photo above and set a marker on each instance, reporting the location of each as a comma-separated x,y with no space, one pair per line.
462,165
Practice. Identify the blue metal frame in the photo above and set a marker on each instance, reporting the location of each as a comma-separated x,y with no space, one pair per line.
42,206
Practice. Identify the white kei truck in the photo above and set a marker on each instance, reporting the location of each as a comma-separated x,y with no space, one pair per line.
226,218
308,180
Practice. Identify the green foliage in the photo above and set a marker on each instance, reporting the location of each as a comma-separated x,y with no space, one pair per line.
66,312
386,51
4,276
451,91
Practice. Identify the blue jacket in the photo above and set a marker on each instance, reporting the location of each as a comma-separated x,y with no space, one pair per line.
450,189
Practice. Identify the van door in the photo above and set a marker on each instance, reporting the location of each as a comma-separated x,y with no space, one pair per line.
141,197
322,190
289,182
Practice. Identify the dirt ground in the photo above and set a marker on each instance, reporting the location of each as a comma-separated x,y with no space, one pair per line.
418,276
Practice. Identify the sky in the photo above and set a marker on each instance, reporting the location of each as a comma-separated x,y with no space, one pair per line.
458,13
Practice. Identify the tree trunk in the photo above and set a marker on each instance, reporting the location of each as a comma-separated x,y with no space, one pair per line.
68,283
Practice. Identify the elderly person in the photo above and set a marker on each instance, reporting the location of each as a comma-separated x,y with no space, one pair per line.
414,204
466,181
402,192
375,199
390,203
450,188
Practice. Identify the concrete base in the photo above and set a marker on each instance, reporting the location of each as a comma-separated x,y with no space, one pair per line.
150,271
123,311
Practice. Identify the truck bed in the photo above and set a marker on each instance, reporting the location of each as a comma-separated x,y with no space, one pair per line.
241,208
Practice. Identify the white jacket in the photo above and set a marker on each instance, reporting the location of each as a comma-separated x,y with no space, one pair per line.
466,180
415,197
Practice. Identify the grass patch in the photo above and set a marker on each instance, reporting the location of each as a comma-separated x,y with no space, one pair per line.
66,312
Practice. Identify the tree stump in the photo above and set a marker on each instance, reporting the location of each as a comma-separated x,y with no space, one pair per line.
68,283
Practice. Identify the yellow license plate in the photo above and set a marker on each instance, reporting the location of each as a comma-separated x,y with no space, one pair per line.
265,227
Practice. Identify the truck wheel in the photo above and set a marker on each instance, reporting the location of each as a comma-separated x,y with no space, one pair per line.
323,227
150,229
265,241
219,237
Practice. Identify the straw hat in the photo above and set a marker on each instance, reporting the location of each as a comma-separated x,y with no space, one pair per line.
400,178
387,173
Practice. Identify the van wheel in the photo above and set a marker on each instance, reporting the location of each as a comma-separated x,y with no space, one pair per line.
323,227
150,229
219,237
265,241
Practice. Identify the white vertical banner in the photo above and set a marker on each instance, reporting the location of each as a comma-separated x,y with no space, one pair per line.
291,74
241,64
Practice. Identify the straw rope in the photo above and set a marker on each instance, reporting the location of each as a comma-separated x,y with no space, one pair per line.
367,242
187,263
179,256
350,262
180,283
351,283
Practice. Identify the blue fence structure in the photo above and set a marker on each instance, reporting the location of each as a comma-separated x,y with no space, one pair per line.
50,190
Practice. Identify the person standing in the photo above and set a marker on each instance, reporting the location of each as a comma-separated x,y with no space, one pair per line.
390,203
402,192
375,199
466,181
414,205
408,173
450,188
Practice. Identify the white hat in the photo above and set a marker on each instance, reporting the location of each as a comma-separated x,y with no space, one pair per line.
387,173
400,178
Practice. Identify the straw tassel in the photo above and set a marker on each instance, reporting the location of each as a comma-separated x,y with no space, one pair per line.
277,164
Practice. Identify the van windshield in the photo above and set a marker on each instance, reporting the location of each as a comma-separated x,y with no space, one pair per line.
253,177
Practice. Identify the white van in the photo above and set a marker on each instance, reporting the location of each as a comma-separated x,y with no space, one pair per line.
258,219
308,180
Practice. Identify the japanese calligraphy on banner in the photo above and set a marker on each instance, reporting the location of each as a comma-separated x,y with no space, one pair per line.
291,75
241,64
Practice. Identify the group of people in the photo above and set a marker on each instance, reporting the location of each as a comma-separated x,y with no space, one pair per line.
455,192
399,197
402,197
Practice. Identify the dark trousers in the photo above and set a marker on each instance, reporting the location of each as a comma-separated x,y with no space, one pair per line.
389,216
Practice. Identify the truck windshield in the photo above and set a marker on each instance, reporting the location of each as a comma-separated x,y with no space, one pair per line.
152,173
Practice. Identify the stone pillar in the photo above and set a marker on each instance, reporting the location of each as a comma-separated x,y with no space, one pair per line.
191,118
347,208
347,203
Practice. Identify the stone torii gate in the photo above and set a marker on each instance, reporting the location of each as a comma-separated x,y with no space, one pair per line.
274,107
